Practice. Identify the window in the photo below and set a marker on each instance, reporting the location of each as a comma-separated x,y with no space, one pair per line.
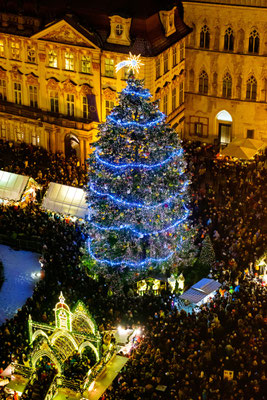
181,93
198,128
205,38
165,104
254,42
109,107
2,48
70,105
119,29
31,54
2,89
33,96
15,50
174,56
227,85
35,139
54,101
52,59
166,62
69,61
17,92
173,99
229,40
157,68
250,134
86,112
19,135
251,92
109,67
181,51
86,64
203,82
3,129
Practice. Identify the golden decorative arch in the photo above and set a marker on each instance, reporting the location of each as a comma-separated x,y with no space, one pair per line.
89,344
65,334
46,353
39,332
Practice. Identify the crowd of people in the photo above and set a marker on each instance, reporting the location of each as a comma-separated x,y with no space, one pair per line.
182,356
44,167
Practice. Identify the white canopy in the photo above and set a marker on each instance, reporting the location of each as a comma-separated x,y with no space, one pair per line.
12,186
200,291
66,200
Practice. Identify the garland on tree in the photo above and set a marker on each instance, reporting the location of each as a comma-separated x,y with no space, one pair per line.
138,189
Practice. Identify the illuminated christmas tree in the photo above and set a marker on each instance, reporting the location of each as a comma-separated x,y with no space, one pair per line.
138,187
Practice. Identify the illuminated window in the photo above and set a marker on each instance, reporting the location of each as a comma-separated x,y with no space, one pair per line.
35,139
254,42
204,38
181,93
86,64
251,93
2,89
119,29
86,112
157,68
165,104
227,85
54,101
109,67
52,59
70,105
198,129
109,107
181,51
33,96
229,40
15,50
19,135
69,61
2,48
31,54
166,62
203,82
17,92
3,129
173,99
174,56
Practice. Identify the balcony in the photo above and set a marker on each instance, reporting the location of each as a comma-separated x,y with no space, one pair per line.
44,116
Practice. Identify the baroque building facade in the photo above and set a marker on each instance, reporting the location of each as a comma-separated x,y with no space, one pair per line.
57,69
226,70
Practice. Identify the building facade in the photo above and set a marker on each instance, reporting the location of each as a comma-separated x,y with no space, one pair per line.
57,72
226,70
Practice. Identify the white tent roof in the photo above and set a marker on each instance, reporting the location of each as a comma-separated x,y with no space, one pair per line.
200,290
65,200
12,185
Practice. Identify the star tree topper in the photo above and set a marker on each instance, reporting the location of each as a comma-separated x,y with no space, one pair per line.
133,63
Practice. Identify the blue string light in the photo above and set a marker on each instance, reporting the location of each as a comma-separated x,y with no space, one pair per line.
138,124
137,205
145,95
138,165
132,263
138,232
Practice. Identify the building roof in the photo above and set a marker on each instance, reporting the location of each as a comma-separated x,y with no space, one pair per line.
92,20
12,185
200,290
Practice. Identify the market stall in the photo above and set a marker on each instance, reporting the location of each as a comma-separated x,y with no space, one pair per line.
150,285
17,188
66,200
201,292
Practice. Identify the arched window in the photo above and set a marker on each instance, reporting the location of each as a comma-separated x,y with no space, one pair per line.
251,92
227,85
205,37
254,42
229,40
203,82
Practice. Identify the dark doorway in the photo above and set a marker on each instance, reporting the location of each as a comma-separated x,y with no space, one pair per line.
72,146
